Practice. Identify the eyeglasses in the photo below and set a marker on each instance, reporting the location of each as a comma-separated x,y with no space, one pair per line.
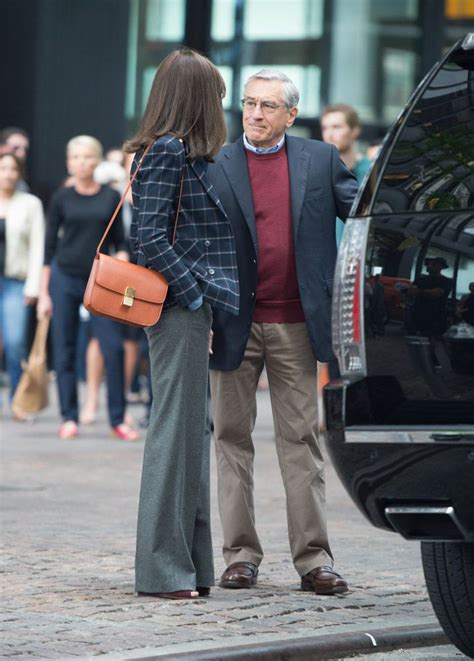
267,107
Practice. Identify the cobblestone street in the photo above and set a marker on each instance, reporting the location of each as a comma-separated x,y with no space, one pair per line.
68,531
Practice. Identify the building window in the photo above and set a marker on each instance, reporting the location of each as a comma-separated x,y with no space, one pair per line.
156,27
270,20
164,20
363,52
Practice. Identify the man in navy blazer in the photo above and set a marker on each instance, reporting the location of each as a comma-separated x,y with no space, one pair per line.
282,195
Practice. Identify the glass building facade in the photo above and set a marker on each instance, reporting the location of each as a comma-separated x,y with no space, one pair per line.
368,53
86,66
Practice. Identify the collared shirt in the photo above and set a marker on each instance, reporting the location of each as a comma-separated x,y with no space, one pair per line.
270,150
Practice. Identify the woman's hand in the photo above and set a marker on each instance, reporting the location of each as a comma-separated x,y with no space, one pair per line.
44,308
122,255
211,337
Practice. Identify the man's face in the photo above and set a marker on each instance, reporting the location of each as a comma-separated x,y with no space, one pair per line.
336,131
433,268
264,127
18,144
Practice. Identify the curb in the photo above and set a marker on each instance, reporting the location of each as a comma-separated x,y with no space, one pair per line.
332,646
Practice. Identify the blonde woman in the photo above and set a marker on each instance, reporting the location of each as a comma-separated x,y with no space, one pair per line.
21,259
77,219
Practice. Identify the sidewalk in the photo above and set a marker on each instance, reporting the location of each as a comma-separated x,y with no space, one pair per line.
68,531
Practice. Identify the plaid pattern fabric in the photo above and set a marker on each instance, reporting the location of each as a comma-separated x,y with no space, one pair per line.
202,259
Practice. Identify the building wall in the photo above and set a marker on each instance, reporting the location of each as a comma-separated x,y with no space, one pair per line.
68,77
85,66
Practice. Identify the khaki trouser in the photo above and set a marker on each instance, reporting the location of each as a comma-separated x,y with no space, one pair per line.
285,351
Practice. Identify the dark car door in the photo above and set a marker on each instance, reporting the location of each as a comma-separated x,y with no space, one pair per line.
403,321
400,421
422,233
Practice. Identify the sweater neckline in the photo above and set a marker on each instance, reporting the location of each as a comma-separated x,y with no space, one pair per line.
85,194
266,157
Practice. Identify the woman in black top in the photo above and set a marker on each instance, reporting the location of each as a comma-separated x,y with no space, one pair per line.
77,219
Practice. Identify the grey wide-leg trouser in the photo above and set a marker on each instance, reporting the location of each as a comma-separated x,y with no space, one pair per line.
174,548
286,352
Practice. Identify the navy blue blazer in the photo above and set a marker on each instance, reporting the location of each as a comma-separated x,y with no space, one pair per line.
203,258
321,188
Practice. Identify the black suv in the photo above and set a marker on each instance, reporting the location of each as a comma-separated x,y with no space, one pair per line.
400,419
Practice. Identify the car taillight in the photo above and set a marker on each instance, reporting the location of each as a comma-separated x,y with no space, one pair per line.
348,300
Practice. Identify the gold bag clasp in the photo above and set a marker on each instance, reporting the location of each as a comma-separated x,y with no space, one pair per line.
128,297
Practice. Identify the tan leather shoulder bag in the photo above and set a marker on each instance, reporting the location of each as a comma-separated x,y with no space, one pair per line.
124,291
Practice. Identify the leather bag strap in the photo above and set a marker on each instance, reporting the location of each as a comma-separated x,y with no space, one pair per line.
124,195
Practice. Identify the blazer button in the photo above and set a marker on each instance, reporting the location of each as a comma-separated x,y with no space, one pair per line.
252,294
207,243
211,271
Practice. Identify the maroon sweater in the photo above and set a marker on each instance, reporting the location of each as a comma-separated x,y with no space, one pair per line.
277,296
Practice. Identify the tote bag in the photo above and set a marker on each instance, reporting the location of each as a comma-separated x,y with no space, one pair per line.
31,394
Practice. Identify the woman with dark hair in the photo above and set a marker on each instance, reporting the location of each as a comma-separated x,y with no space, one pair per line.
184,125
21,260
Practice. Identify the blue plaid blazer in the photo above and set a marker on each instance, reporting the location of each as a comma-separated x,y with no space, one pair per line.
202,260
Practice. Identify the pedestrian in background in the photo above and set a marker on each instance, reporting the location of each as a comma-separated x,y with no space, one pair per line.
282,195
14,140
184,124
78,216
109,173
340,126
115,155
21,261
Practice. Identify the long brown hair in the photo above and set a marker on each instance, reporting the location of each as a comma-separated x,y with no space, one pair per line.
185,100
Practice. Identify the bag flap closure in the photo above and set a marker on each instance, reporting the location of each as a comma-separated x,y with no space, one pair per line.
117,275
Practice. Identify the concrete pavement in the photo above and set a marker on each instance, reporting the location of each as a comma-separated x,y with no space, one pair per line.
68,532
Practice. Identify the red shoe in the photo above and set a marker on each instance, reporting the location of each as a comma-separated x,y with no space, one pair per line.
68,430
125,433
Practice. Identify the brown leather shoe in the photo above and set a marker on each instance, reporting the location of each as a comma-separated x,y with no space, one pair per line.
323,580
239,575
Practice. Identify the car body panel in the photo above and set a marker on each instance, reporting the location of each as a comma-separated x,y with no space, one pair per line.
403,435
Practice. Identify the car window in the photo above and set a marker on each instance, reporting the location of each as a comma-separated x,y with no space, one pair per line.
427,160
423,343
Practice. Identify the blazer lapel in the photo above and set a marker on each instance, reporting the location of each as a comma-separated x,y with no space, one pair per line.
200,171
234,164
298,168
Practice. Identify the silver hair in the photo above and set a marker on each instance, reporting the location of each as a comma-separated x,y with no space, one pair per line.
290,91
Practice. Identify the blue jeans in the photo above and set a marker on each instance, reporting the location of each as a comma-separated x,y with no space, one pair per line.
67,292
13,319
